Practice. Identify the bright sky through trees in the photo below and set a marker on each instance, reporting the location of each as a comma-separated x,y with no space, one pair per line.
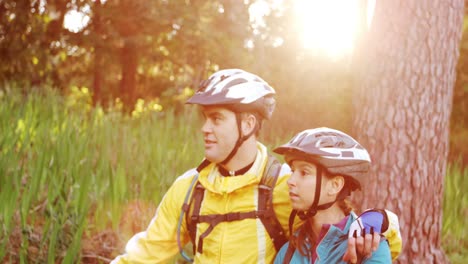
76,20
327,26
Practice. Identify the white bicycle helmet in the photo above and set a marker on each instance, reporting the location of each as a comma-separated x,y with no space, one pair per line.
239,91
337,152
333,151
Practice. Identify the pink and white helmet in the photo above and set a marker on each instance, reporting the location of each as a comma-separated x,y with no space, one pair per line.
238,90
336,151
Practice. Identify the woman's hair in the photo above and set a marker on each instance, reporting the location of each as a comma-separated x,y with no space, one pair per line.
306,236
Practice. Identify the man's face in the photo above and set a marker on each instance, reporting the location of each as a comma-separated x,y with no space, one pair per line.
220,132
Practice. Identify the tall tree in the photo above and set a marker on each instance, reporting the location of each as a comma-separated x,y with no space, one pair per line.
403,105
28,31
135,21
98,26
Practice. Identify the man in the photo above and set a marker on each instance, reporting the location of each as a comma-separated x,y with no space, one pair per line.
228,225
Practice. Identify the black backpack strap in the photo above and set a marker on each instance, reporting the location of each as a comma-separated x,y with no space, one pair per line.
264,211
192,219
265,203
196,198
215,219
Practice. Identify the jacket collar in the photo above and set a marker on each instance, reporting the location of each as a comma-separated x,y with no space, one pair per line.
213,181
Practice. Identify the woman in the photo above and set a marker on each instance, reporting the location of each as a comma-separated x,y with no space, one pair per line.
327,165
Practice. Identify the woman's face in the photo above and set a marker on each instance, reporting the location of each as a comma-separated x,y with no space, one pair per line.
302,185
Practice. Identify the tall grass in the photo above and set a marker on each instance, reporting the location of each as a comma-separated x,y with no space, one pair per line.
67,168
69,171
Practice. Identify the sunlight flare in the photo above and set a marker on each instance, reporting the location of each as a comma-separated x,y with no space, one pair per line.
75,20
327,26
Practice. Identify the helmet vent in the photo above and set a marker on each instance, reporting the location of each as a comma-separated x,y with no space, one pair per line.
234,82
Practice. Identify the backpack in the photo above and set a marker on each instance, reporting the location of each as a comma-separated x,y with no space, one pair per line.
265,210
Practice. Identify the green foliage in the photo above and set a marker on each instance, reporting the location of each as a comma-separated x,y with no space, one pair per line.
68,169
29,35
454,231
130,49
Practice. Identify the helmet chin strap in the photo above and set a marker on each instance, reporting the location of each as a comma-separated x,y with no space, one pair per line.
240,139
314,208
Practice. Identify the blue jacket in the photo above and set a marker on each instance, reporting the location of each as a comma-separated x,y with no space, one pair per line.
332,248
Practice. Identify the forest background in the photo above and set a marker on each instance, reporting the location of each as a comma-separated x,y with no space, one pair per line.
93,127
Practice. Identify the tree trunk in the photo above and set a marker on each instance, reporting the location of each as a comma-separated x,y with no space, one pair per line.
403,104
98,51
129,69
98,76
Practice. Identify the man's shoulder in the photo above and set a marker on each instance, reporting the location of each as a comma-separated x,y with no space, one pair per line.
188,175
183,182
277,170
285,170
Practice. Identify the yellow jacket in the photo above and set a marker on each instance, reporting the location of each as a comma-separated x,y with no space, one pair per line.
244,241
